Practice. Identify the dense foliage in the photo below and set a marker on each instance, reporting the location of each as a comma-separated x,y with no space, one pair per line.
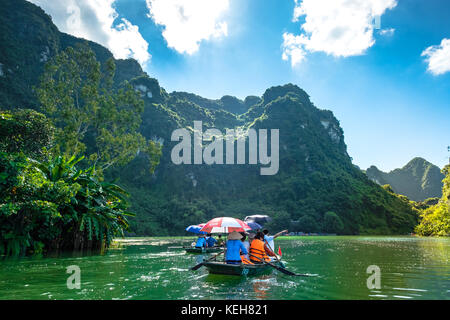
435,220
52,205
25,131
92,116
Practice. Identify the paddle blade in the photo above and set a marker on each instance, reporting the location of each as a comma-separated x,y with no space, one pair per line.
279,251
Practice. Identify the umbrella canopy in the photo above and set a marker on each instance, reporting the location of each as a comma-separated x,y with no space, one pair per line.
196,228
225,225
254,225
258,218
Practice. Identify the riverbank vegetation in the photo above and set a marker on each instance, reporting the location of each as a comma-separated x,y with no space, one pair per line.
52,196
435,220
52,206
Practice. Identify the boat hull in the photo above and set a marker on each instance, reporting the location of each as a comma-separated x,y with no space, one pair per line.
236,269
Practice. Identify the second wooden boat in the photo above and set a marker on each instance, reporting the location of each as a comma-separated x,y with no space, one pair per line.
202,250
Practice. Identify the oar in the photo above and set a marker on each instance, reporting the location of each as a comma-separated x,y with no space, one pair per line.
283,270
202,263
276,257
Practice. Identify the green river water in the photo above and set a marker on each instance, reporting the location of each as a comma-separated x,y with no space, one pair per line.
150,268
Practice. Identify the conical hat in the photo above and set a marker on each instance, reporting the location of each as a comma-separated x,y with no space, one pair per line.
234,236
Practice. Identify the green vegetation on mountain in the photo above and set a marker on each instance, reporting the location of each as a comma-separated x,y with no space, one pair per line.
317,188
418,179
91,116
316,176
435,220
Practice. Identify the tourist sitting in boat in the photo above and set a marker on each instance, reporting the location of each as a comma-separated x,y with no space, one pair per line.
234,248
245,243
245,257
269,239
201,242
210,240
259,251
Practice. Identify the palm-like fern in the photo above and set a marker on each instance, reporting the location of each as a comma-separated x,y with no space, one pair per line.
80,210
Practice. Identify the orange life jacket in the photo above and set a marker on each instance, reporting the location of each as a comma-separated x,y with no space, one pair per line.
257,249
245,260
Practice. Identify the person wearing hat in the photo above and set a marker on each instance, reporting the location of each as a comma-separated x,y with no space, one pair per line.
201,242
234,248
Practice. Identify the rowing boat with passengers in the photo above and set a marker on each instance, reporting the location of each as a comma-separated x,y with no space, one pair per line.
235,260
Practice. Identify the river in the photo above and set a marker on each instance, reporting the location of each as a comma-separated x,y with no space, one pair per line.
156,268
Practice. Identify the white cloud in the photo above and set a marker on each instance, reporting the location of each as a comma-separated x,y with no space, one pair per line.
94,20
438,57
340,28
293,48
187,23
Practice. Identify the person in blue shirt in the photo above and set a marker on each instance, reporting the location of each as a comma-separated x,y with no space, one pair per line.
210,240
201,242
268,239
234,248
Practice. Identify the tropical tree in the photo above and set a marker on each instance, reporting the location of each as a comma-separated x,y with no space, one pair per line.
93,116
25,131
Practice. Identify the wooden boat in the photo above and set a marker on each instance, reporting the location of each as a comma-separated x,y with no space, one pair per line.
202,250
216,267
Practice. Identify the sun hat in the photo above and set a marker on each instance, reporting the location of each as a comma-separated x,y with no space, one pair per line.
234,236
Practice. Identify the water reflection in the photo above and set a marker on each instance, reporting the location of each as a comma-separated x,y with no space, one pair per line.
261,287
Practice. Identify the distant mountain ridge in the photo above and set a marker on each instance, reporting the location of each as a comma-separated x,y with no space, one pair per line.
418,179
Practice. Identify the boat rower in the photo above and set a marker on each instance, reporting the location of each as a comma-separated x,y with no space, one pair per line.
234,248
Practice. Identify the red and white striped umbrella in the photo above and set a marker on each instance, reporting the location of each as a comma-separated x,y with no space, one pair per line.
225,225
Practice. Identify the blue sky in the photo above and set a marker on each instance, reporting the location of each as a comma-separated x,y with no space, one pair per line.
387,84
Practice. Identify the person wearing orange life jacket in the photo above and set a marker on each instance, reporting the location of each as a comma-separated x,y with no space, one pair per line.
259,250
